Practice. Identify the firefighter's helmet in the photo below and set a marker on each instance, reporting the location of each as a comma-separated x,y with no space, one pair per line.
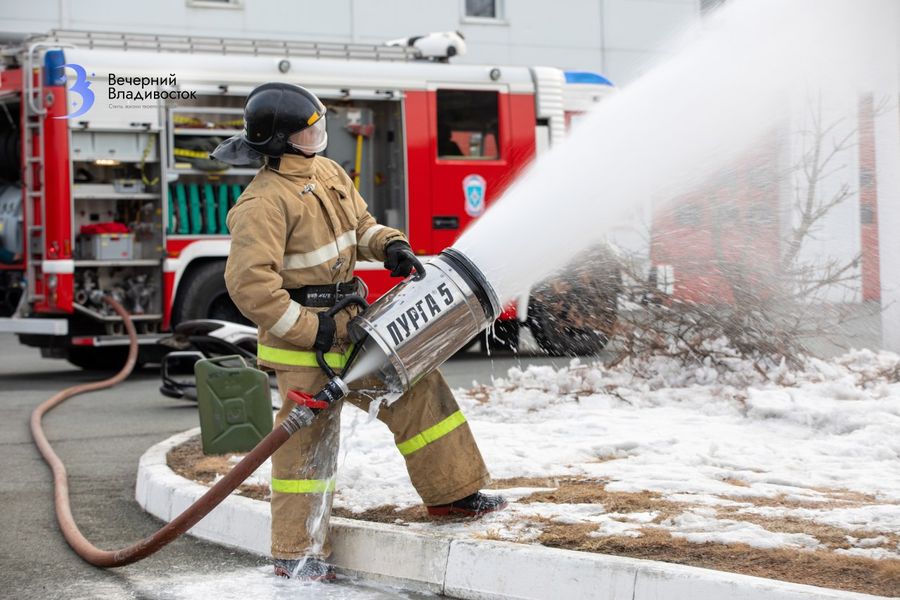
280,114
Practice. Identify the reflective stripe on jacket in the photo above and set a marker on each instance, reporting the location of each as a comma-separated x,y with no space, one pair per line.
299,222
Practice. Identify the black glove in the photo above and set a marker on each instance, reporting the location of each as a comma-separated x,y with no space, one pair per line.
325,334
400,260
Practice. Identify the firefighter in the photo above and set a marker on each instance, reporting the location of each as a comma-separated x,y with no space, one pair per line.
296,233
446,145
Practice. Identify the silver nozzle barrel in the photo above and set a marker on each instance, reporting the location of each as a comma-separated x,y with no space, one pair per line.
334,390
419,324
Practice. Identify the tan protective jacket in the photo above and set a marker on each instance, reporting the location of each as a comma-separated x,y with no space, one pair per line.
299,222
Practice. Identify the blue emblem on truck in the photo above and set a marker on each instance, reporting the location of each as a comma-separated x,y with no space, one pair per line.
474,187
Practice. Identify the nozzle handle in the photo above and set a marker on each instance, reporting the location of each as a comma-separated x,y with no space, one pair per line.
331,312
303,399
419,268
333,391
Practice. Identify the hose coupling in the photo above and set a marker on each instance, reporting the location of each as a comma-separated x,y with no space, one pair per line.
300,416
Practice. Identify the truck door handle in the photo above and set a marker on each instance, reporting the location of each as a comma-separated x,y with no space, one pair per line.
445,222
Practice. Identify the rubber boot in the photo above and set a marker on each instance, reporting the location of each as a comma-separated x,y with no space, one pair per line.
304,569
475,505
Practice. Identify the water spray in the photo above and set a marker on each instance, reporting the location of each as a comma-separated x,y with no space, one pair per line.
402,337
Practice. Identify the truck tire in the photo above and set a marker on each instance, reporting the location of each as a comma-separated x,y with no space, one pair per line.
574,315
204,296
98,359
503,335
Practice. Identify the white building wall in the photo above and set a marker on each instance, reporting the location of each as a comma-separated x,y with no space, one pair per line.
619,38
637,33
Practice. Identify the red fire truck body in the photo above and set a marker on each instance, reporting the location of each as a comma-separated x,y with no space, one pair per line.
432,144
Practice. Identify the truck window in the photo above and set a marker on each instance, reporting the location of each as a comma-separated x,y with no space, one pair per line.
467,125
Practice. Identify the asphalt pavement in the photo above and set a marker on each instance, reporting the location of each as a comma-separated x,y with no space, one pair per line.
100,437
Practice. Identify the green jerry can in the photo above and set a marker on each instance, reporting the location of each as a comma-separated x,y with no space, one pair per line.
235,404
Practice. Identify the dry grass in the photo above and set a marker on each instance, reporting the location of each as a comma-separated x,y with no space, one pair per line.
602,458
480,393
736,482
524,482
848,496
189,461
831,499
821,567
490,534
828,535
387,513
585,491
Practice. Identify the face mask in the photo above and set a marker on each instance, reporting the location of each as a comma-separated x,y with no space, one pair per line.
311,140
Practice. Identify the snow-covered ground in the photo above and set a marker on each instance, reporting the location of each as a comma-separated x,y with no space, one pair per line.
821,445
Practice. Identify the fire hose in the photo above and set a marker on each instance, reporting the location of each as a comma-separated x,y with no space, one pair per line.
302,415
447,309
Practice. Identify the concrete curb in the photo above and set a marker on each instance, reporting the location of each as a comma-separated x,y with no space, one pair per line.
463,568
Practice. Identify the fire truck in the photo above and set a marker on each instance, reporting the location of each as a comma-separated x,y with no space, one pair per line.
108,187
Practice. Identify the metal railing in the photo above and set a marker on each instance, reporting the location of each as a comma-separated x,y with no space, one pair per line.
227,46
33,175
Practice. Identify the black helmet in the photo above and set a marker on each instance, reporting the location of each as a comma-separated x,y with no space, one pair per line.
275,111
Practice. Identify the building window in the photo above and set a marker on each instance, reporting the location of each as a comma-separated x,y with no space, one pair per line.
707,6
215,3
688,214
866,214
483,9
663,277
467,123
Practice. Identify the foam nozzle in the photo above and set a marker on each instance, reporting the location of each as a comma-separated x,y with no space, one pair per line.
420,323
333,391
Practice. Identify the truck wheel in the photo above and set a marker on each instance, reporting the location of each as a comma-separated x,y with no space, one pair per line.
206,297
504,335
99,359
475,341
574,315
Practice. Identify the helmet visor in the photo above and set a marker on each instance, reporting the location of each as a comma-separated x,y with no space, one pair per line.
311,140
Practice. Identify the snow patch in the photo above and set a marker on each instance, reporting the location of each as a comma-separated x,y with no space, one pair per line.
710,437
698,527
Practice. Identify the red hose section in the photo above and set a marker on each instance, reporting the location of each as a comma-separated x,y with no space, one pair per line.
199,509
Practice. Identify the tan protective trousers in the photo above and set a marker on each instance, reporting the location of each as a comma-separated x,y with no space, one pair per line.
442,458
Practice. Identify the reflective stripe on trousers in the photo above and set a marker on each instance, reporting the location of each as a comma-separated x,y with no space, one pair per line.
432,434
301,358
302,486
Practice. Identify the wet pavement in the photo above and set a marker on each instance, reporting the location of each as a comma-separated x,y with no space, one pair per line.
100,437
